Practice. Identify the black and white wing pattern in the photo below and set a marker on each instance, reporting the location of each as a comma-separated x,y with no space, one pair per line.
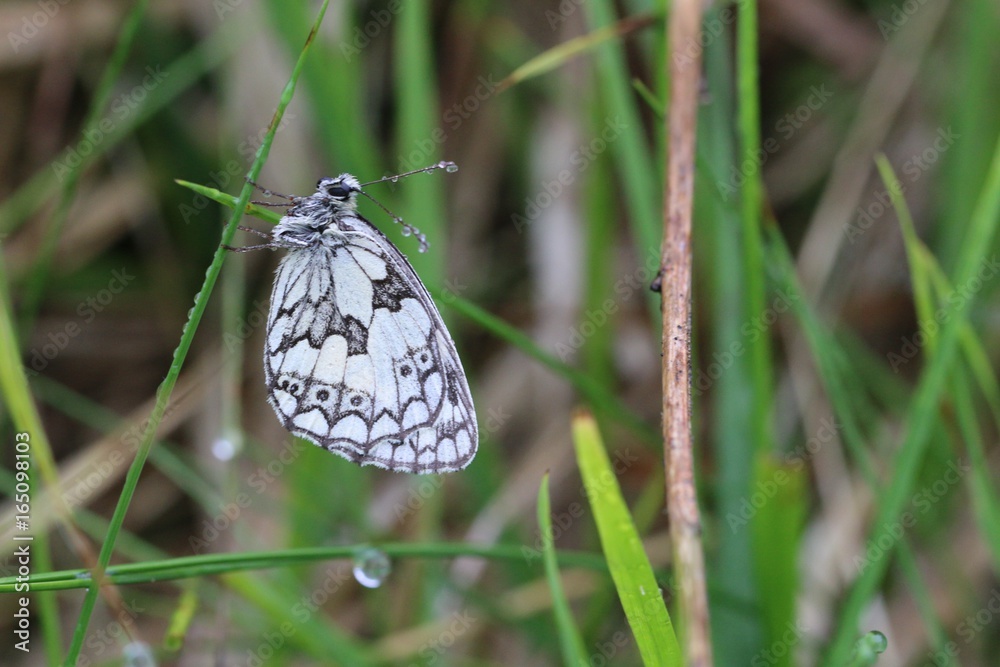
358,360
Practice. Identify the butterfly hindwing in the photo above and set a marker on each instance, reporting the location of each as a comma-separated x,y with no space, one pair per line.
358,360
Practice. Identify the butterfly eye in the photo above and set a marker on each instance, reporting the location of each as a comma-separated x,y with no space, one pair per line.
337,191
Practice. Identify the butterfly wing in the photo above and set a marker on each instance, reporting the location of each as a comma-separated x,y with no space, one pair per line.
358,360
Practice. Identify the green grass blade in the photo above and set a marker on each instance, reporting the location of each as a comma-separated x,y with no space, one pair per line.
931,289
633,576
415,125
569,637
180,354
221,563
562,53
751,200
632,153
776,530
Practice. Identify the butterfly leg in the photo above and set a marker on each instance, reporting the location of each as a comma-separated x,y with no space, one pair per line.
269,246
266,192
255,231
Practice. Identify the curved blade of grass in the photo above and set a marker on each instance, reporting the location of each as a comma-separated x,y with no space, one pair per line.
569,637
929,281
633,576
559,55
922,412
180,354
834,368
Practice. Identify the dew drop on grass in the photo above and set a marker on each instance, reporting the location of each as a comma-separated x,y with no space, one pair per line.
138,654
223,449
451,167
877,641
371,567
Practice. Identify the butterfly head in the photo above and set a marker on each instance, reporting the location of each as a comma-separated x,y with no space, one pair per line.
339,192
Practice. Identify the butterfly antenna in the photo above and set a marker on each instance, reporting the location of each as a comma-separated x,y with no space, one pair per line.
450,167
407,227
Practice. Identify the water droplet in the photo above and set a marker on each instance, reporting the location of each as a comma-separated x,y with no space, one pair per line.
407,231
223,449
394,179
877,641
138,654
371,567
450,167
85,575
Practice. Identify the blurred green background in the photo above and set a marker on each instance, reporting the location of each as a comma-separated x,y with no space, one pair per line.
846,405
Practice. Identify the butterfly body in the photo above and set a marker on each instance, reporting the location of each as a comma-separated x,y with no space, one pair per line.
357,358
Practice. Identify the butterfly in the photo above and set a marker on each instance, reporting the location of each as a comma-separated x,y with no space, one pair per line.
357,358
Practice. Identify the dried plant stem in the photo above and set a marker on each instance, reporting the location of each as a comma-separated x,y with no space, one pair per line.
684,23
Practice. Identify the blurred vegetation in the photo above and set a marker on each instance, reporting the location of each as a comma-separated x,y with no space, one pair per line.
846,403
